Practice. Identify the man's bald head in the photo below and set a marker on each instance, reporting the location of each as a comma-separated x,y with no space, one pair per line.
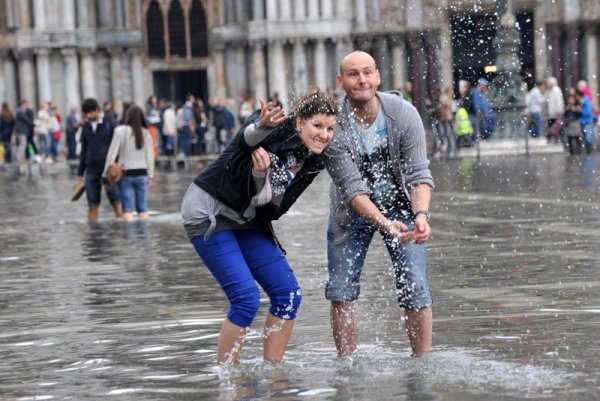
355,57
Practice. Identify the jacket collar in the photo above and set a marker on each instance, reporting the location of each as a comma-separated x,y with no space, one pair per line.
389,102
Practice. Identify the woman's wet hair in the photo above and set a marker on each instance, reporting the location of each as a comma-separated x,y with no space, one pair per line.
315,101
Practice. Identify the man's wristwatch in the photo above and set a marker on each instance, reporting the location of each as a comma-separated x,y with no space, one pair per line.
425,212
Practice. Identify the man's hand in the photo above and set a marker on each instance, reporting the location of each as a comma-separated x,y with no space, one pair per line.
422,230
399,230
80,178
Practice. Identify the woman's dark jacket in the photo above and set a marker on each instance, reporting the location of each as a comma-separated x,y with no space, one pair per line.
229,178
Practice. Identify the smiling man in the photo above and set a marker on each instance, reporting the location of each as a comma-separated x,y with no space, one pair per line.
380,181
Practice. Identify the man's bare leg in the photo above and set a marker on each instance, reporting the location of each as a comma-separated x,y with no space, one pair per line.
276,336
419,327
231,339
92,213
118,208
345,326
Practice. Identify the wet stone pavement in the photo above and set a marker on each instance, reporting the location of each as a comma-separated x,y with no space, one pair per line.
116,311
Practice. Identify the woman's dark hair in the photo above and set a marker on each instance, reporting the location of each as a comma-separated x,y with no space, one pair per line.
6,113
136,120
313,102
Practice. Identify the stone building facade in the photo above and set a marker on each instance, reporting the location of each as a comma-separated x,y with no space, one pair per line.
126,50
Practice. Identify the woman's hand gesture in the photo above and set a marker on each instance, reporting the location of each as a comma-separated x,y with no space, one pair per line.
270,116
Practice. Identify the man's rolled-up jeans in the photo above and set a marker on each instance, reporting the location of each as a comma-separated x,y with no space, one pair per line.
346,260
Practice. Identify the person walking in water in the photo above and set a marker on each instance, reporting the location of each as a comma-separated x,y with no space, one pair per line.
228,209
96,136
380,182
133,146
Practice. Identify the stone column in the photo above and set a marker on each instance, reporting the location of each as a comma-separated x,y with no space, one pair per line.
219,54
321,78
71,78
277,79
360,14
342,48
104,13
116,77
433,76
188,34
553,44
540,42
384,62
3,80
137,75
242,68
417,71
43,75
574,47
299,10
342,8
286,10
26,76
272,14
445,54
68,16
326,9
10,80
83,17
88,78
399,61
313,9
591,50
119,14
258,11
300,67
259,68
24,16
231,70
39,14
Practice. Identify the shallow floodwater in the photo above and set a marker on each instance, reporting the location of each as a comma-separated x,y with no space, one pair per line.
117,311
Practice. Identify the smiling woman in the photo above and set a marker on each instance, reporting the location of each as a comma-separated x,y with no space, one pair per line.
228,209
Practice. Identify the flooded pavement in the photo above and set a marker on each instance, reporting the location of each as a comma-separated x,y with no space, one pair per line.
117,311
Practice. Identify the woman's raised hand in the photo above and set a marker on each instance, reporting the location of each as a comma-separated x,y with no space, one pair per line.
270,116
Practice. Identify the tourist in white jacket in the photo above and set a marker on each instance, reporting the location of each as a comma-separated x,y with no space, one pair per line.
555,101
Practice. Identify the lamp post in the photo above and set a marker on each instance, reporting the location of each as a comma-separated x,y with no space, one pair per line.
506,92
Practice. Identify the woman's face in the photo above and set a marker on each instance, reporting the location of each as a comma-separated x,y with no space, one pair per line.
316,132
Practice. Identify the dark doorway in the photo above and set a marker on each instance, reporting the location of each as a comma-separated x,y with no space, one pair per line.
174,85
473,45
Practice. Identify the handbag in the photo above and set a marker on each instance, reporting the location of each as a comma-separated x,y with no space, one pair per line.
115,172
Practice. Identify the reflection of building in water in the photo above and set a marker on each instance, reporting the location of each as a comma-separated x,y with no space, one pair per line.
125,50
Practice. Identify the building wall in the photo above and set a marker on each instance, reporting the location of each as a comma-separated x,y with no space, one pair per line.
65,51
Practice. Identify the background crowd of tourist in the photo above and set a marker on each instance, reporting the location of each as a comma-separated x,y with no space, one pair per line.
460,121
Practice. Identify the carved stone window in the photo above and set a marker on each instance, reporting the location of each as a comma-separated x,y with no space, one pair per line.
155,30
176,30
198,30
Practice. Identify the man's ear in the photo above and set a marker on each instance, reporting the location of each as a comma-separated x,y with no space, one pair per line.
339,81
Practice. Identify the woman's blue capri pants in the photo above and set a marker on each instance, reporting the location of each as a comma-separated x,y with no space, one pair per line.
241,258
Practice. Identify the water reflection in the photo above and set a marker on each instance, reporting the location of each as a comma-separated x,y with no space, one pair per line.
127,311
